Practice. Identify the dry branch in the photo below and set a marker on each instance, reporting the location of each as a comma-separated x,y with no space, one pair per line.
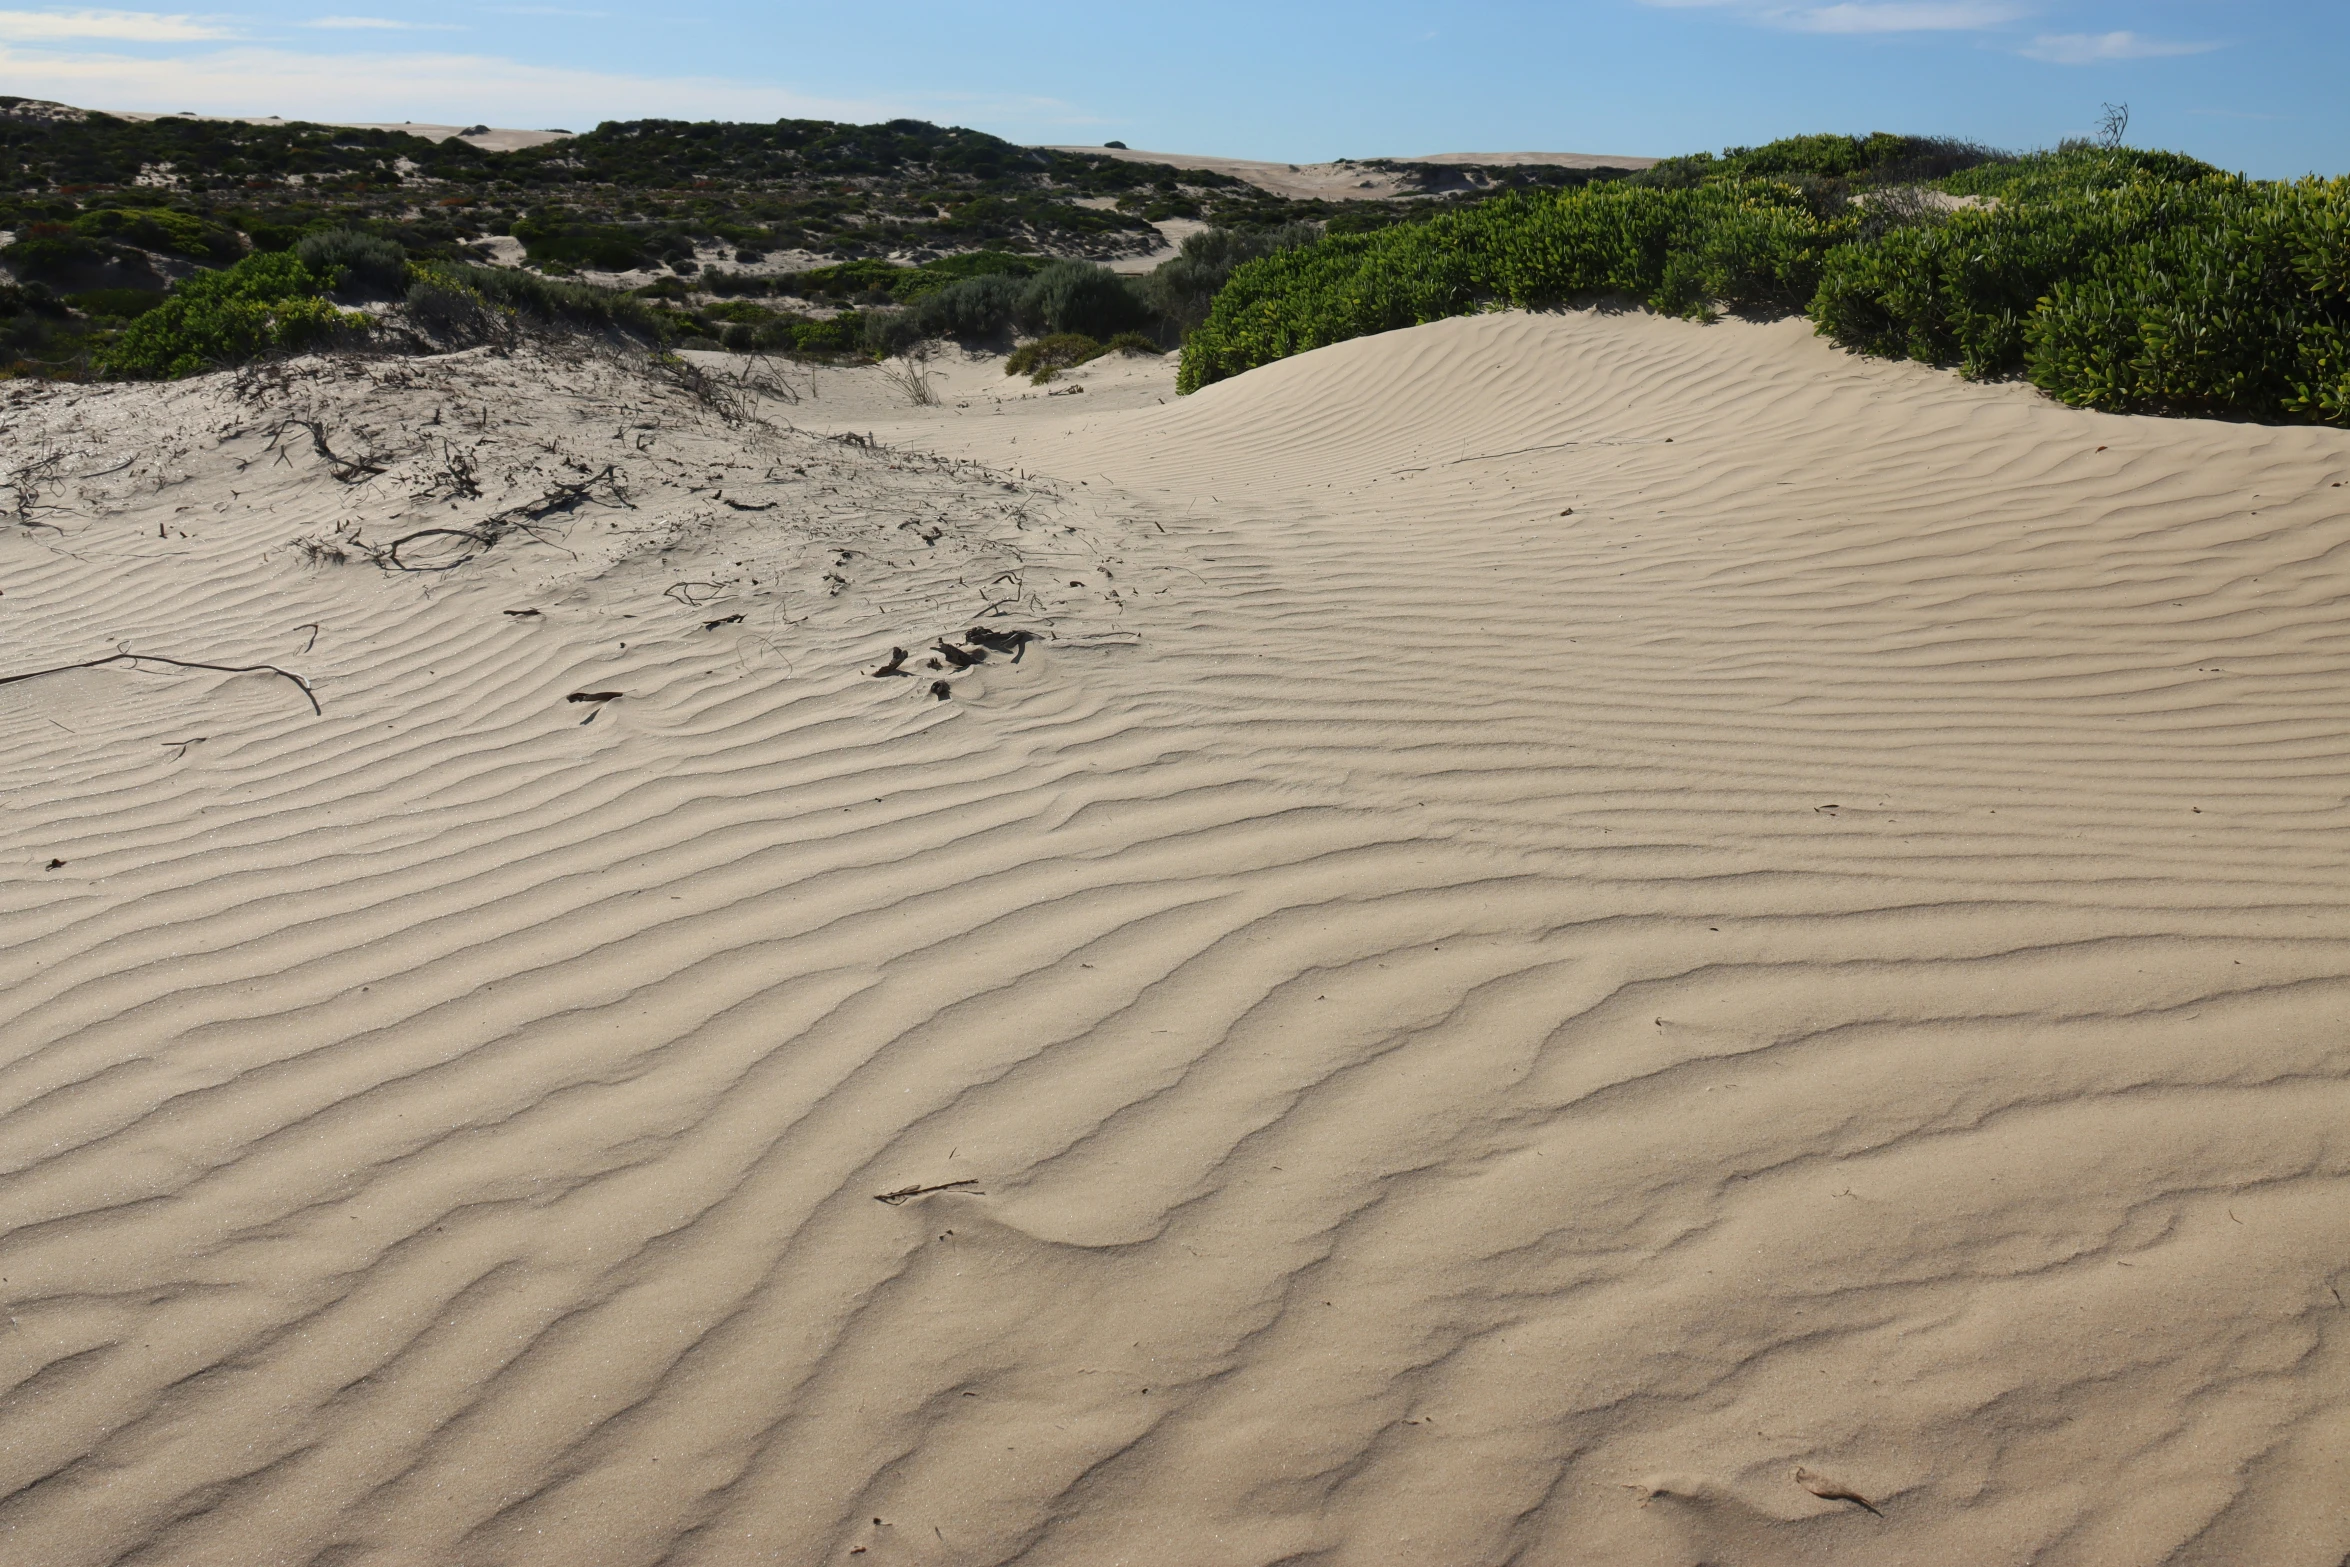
135,659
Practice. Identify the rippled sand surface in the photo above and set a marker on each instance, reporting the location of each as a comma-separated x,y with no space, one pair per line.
1569,915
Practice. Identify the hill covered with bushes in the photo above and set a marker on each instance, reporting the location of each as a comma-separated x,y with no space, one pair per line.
108,213
2108,276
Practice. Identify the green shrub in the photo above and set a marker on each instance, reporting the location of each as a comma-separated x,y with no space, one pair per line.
1752,245
2113,278
1132,343
1081,298
161,228
888,332
973,308
52,251
1047,357
841,334
2240,304
555,302
1183,286
263,304
121,303
356,262
551,239
449,309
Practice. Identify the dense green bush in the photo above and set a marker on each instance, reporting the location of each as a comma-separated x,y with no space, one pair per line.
355,261
557,240
35,330
2111,277
1747,244
53,252
162,228
2239,304
264,303
841,334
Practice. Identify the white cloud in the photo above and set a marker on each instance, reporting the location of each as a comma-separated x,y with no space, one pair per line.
2098,48
144,27
383,24
460,89
1893,17
1866,16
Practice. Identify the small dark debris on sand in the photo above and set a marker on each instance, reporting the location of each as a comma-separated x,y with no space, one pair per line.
897,657
941,690
1012,642
593,696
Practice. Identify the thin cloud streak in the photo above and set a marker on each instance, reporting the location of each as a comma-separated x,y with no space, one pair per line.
381,24
143,27
1865,16
2102,48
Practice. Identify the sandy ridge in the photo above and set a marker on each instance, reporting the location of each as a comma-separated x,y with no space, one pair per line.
1520,980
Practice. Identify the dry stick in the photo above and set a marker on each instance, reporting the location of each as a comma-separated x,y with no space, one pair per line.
905,1192
176,663
346,469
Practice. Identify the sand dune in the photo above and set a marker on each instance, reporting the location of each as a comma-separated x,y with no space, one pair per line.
1355,179
1570,915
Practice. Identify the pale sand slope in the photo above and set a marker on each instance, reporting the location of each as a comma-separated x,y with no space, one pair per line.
1482,1035
1353,179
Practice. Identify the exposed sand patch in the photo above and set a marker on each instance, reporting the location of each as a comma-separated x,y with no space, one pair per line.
1579,913
1353,179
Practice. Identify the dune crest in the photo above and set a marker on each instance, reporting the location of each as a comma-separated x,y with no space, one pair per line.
1570,918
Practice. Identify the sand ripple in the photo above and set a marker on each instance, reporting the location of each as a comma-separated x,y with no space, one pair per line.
1578,912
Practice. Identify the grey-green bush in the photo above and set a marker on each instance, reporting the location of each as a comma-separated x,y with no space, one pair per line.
450,310
975,308
1077,296
360,263
1183,286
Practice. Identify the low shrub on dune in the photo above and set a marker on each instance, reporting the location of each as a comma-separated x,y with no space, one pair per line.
2110,277
1048,356
263,304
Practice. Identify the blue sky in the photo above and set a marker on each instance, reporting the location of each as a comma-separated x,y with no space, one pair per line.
2256,85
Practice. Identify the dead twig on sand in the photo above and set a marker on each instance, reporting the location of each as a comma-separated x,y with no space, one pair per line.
728,402
31,477
561,498
1828,1490
388,555
347,470
456,477
910,374
136,659
904,1193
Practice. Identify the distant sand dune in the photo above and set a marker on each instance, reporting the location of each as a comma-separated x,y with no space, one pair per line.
1575,913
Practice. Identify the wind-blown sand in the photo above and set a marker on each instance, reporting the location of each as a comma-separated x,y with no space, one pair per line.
1573,914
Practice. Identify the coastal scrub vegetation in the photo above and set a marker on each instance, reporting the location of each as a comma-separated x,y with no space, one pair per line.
2109,276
